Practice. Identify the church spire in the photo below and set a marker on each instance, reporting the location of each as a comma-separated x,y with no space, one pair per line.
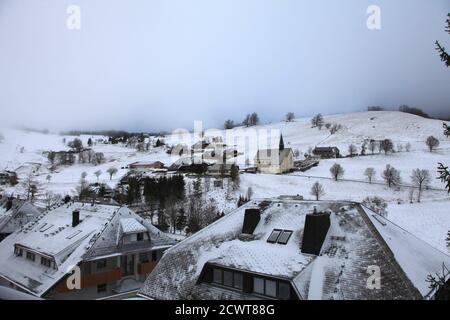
281,146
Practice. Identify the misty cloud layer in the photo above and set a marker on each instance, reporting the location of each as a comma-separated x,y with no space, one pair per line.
161,64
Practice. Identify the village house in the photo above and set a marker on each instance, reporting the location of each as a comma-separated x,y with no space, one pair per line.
146,166
15,213
112,248
291,249
220,169
8,178
326,152
275,161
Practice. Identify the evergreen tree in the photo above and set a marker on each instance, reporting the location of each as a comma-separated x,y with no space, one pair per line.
445,57
180,223
235,176
444,176
446,130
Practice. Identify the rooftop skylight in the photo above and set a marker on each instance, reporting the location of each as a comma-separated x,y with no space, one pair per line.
279,236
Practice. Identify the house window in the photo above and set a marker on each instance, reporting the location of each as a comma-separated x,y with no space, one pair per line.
31,256
217,276
284,237
274,236
101,264
284,291
228,278
18,251
238,282
46,262
258,285
271,288
143,257
101,288
154,255
140,236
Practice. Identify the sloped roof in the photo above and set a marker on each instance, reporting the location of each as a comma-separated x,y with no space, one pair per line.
273,154
20,213
52,234
340,272
131,225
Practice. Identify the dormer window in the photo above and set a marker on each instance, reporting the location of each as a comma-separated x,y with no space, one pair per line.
18,251
46,262
31,256
132,231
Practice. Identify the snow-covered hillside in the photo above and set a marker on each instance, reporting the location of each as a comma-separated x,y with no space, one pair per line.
21,151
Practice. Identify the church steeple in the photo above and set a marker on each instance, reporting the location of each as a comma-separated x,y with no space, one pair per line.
281,146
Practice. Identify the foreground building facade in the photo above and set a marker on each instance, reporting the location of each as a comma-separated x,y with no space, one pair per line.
293,250
111,248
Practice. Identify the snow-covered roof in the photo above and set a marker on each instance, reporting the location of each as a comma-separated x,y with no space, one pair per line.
52,235
131,225
352,245
273,154
20,213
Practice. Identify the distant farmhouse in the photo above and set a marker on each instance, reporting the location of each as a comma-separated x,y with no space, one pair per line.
220,169
8,178
326,152
14,214
188,165
113,247
290,249
146,166
275,161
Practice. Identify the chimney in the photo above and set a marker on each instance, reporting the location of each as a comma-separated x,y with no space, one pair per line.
75,218
315,231
251,220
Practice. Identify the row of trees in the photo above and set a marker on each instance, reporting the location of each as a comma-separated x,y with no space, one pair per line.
420,178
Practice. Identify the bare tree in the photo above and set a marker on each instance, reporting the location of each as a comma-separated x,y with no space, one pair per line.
111,171
373,146
411,194
317,190
335,128
98,173
99,158
408,147
290,117
337,171
30,185
376,204
432,143
370,173
51,199
386,146
421,179
352,150
229,124
172,208
391,176
317,121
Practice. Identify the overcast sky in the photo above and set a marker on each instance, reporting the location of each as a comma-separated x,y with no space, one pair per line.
161,64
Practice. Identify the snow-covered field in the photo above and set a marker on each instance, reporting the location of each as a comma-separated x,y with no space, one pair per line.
429,220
